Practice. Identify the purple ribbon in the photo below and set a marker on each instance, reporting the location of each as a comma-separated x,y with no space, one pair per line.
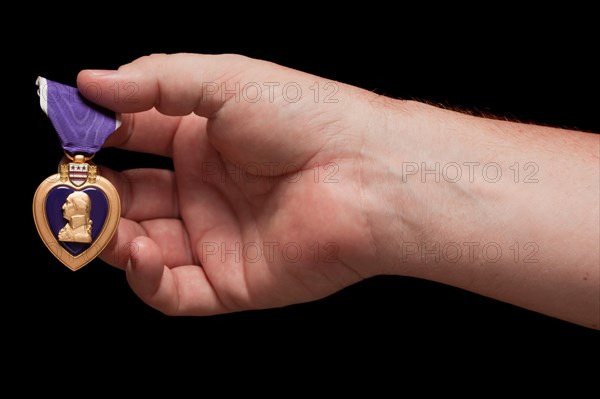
82,126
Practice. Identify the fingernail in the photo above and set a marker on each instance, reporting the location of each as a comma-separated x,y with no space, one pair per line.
101,72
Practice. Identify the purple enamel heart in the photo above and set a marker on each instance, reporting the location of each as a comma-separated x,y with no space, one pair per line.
54,213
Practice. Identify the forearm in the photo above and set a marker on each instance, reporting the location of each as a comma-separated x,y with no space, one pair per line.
507,210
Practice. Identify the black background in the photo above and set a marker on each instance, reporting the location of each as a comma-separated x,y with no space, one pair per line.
537,76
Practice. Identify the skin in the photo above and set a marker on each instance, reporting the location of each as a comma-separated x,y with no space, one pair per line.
274,201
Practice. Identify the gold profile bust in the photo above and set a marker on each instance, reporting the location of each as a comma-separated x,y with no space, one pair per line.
76,210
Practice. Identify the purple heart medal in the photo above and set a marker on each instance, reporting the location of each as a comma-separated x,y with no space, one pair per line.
76,211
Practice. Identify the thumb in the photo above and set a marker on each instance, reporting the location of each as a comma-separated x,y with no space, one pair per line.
273,115
175,84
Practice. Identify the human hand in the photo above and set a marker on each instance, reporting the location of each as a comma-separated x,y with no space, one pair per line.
287,187
267,204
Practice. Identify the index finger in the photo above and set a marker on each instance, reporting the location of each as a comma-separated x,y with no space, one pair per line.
148,131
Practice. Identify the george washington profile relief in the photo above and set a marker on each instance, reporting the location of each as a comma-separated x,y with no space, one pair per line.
76,210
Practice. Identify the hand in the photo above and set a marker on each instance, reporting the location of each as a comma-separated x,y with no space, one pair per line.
280,197
266,205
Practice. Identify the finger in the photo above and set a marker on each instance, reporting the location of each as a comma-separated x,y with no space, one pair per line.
175,84
184,290
121,247
172,238
181,84
169,234
145,193
149,131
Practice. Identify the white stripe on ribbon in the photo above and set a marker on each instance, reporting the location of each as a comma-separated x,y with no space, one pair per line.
43,93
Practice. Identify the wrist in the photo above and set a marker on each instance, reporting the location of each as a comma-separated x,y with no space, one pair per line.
417,202
393,205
